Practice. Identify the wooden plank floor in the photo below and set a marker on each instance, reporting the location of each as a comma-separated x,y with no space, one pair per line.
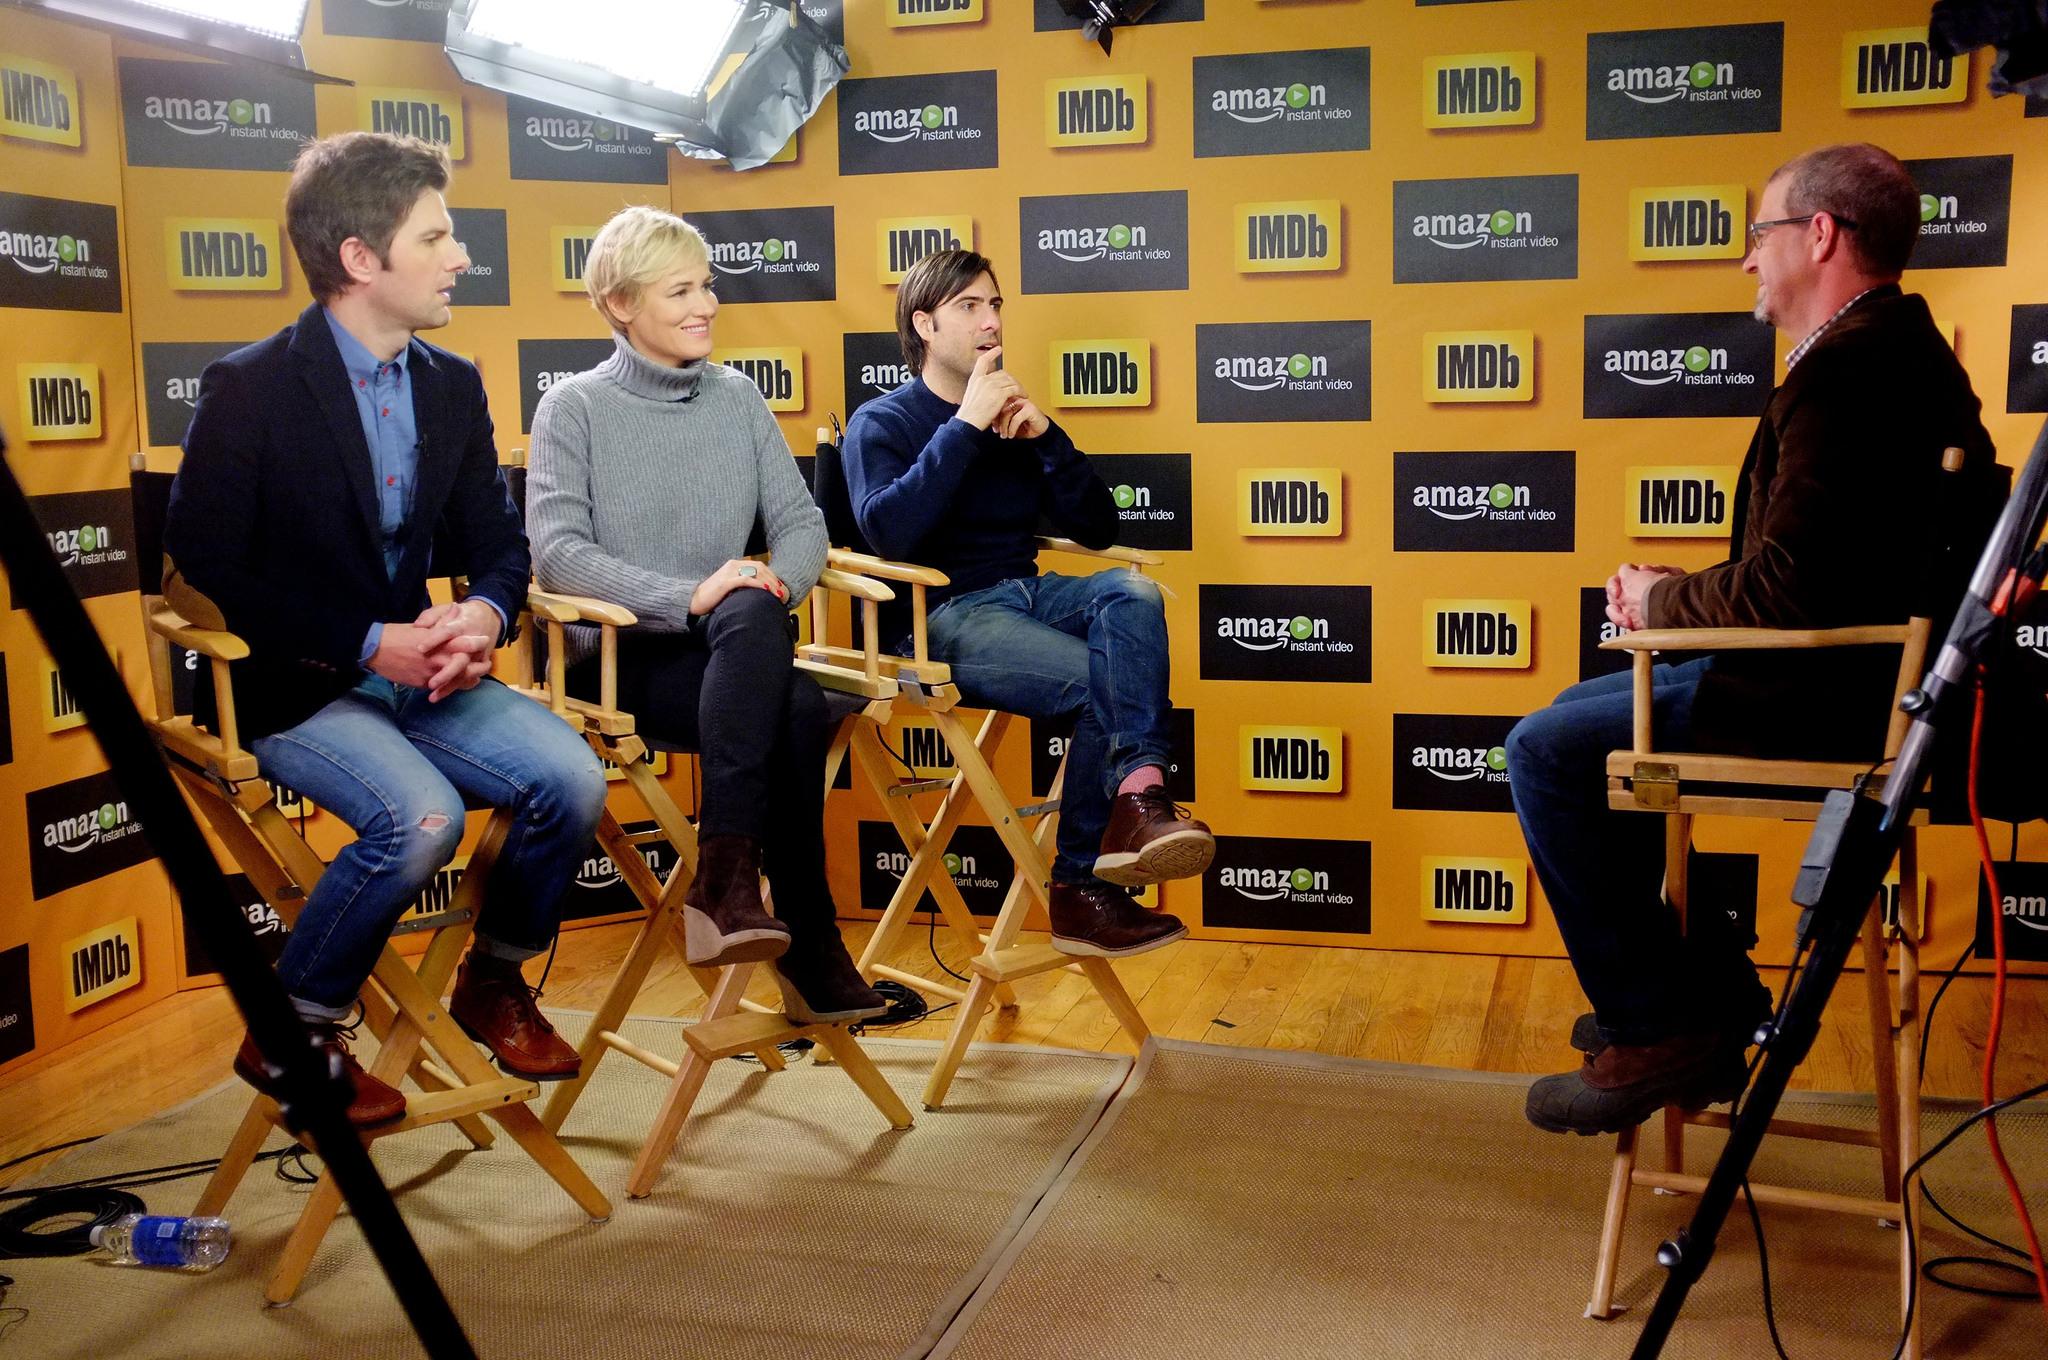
1453,1010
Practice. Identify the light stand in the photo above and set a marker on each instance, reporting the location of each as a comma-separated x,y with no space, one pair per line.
1852,846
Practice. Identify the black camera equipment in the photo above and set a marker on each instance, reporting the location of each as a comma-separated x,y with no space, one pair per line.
1853,844
1098,17
314,1095
2017,28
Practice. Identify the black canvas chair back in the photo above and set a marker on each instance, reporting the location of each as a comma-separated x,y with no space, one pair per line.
828,490
150,496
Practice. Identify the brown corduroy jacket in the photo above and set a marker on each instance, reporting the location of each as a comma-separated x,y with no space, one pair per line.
1833,525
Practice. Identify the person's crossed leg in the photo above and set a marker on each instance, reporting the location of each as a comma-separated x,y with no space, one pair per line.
1092,648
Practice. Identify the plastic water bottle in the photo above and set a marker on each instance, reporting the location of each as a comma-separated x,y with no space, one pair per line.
161,1240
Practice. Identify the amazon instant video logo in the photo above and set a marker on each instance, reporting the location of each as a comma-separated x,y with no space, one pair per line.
1684,82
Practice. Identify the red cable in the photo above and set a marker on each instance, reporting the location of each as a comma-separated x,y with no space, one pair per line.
2012,1186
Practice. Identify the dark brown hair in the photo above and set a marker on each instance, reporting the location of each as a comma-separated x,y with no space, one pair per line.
1863,184
360,184
931,283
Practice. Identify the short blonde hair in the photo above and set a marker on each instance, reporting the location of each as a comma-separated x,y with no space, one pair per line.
638,246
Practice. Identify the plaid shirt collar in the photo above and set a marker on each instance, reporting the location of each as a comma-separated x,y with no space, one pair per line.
1798,351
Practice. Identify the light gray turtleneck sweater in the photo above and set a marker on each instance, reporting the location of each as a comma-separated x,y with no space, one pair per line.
645,479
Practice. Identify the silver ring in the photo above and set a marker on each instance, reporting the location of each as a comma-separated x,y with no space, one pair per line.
748,569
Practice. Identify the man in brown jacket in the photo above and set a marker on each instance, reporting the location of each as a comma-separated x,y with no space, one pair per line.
1831,520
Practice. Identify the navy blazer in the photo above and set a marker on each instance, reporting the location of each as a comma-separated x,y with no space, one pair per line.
274,515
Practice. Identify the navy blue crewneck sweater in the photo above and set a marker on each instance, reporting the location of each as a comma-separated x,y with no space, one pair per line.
929,488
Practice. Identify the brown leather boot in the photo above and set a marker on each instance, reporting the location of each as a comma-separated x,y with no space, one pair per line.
497,1007
1098,919
1150,840
722,917
374,1101
1621,1085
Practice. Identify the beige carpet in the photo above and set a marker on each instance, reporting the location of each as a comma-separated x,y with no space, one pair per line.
792,1223
1246,1203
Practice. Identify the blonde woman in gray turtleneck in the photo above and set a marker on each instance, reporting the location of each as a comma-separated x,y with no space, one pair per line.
648,475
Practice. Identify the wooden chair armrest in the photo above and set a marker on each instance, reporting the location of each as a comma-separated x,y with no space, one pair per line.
860,587
1753,639
1113,553
860,564
210,642
559,608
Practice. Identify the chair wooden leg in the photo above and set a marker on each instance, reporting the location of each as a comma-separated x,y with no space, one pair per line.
684,1089
314,1221
1909,1070
851,1056
1674,1139
1111,989
980,997
430,1078
1883,1056
1619,1181
526,1129
236,1161
1678,863
632,974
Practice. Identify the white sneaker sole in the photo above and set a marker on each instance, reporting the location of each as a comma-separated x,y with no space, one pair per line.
1178,854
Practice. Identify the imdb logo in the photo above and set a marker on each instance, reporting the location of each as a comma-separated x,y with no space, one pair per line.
1096,111
777,372
1491,892
430,115
1891,67
919,13
1295,237
901,242
223,254
59,401
1479,366
1679,502
568,254
1481,89
1102,373
1290,502
1695,222
1477,634
1291,759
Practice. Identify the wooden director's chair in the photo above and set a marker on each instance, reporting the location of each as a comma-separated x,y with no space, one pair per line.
926,686
730,1024
1683,786
417,1038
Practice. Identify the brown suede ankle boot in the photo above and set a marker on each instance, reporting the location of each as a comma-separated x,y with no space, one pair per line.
722,917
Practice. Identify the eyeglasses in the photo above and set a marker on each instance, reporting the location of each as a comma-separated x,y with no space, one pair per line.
1757,229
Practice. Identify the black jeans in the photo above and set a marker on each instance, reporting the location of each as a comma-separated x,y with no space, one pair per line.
727,690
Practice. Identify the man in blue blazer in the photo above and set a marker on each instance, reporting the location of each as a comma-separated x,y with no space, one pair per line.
325,469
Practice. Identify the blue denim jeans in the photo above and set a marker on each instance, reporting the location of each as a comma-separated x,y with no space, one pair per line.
1603,869
395,767
1088,647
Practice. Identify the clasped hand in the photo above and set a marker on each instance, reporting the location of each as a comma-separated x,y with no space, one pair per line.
447,648
1629,588
995,400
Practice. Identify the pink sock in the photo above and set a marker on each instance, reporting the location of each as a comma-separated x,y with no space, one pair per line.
1144,777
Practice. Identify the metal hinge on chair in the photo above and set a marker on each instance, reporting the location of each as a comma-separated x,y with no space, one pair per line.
910,788
433,922
1655,785
1036,809
910,687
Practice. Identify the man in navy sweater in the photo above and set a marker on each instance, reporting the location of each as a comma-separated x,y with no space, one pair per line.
953,470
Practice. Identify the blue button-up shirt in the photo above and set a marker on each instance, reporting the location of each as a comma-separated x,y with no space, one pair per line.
383,392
